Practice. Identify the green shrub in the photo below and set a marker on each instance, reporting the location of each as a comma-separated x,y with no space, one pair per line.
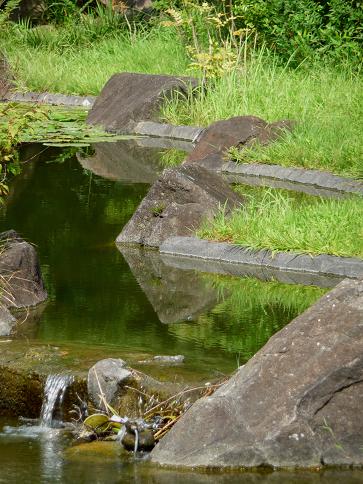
305,28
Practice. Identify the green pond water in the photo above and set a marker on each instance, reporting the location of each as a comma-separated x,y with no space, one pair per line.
105,301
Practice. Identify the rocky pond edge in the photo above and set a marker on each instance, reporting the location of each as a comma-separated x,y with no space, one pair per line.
324,264
299,177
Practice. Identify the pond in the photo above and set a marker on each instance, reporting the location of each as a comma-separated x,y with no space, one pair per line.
106,301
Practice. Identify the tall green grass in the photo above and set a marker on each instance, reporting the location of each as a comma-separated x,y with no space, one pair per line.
326,103
280,221
48,60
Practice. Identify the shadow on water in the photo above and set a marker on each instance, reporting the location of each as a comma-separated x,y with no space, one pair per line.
129,303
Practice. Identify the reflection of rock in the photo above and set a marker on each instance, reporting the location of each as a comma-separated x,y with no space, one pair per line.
176,204
21,281
125,161
176,295
296,403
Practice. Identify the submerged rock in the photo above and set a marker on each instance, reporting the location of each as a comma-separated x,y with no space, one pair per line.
296,403
176,204
22,285
145,440
128,98
240,131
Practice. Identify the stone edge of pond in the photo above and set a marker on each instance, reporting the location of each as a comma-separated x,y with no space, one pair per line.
314,178
49,98
324,264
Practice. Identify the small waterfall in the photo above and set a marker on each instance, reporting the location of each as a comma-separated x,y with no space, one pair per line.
54,392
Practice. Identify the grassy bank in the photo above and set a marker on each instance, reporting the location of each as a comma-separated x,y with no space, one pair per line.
280,221
325,101
47,59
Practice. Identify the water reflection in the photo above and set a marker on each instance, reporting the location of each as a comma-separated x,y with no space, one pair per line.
99,307
38,455
125,161
176,295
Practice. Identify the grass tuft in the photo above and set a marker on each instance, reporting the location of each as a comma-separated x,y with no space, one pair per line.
279,221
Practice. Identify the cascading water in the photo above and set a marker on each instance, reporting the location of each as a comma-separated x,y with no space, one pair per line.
54,392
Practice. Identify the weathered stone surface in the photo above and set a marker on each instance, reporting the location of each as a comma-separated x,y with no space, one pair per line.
176,205
240,131
6,77
175,295
124,161
296,403
107,377
21,281
128,98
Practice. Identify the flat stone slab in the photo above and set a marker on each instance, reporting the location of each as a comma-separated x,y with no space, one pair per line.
295,404
163,130
287,261
176,204
313,178
185,263
49,98
128,98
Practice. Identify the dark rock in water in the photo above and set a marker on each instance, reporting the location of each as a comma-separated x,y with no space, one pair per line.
176,204
297,403
129,97
6,77
176,295
241,131
146,441
107,376
124,161
21,280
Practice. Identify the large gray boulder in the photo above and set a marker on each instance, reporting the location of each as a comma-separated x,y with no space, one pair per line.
176,204
297,403
21,279
128,98
240,132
